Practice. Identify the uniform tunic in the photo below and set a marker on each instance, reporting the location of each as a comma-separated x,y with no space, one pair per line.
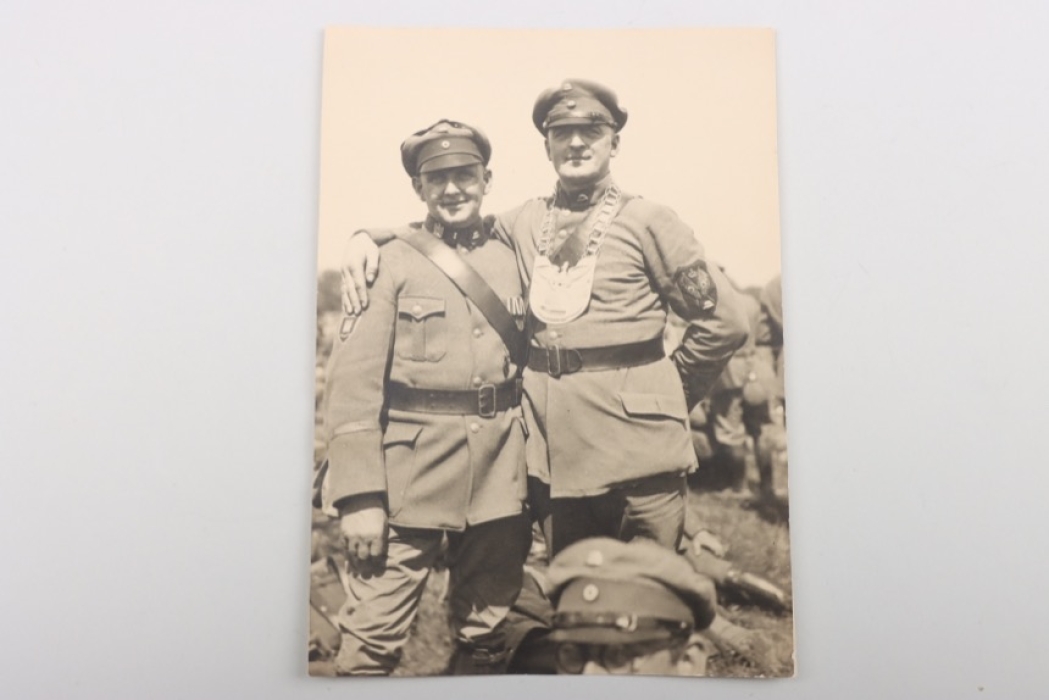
437,471
592,430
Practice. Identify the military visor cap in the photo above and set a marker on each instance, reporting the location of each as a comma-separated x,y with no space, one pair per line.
612,592
578,102
446,144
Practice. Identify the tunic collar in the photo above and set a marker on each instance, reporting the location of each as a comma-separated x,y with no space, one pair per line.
580,200
468,238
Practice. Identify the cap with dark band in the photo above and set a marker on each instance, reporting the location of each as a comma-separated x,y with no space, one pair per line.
612,592
446,144
577,101
601,611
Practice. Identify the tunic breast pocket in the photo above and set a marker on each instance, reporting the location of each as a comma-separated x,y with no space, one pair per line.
422,329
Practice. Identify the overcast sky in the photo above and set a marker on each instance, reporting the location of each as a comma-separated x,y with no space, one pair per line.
701,134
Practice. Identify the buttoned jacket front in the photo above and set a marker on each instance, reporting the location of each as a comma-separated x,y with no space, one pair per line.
437,471
592,430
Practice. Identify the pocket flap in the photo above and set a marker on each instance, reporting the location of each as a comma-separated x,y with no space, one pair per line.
401,434
653,405
420,307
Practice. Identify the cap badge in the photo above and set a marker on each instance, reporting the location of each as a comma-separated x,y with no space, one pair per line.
595,558
445,144
570,104
566,87
590,593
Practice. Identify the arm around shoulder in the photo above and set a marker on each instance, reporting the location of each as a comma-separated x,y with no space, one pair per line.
360,265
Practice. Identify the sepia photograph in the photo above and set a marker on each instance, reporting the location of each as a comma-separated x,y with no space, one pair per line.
550,403
420,340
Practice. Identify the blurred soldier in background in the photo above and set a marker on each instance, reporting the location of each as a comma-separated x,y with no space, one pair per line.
734,431
772,443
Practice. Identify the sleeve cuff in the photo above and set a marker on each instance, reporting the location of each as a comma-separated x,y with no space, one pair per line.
355,466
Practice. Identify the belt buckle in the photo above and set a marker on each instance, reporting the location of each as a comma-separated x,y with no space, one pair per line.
562,361
553,361
486,401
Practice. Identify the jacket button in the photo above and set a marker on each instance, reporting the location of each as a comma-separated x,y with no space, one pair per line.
562,233
416,310
554,335
478,332
477,381
474,427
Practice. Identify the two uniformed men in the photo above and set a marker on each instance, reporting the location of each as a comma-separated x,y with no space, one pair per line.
605,410
423,426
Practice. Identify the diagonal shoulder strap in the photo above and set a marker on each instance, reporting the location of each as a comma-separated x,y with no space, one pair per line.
473,286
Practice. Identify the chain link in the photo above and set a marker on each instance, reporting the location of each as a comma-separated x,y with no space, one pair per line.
609,206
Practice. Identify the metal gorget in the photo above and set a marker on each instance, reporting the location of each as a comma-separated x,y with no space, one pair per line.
560,294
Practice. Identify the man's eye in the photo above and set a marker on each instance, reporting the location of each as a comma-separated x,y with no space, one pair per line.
571,658
617,657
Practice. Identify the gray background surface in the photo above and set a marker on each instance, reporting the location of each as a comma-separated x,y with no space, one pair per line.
158,190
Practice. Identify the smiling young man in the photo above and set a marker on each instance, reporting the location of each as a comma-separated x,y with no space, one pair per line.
424,433
606,410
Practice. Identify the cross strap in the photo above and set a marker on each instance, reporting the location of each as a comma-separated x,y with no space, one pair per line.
473,287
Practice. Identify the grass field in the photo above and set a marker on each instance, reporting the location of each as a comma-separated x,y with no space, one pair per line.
758,541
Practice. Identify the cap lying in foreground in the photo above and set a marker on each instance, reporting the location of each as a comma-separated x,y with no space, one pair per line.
612,592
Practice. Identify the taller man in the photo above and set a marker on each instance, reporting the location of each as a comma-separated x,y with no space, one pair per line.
606,411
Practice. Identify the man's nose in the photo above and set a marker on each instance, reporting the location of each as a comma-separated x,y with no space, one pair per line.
452,187
577,140
592,668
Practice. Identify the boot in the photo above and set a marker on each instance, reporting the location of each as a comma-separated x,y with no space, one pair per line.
473,660
762,591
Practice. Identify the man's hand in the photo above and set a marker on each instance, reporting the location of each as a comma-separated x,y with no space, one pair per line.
705,539
362,521
360,264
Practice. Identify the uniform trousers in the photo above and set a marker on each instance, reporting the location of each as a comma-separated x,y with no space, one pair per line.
486,565
652,508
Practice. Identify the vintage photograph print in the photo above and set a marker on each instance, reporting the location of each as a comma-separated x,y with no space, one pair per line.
550,416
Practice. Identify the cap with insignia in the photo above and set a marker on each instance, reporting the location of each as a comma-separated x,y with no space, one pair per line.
612,592
446,144
577,101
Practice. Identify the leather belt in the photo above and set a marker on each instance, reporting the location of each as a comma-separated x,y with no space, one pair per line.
485,401
556,360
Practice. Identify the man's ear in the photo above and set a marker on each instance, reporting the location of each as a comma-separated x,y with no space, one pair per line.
546,144
417,185
487,180
615,144
693,661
